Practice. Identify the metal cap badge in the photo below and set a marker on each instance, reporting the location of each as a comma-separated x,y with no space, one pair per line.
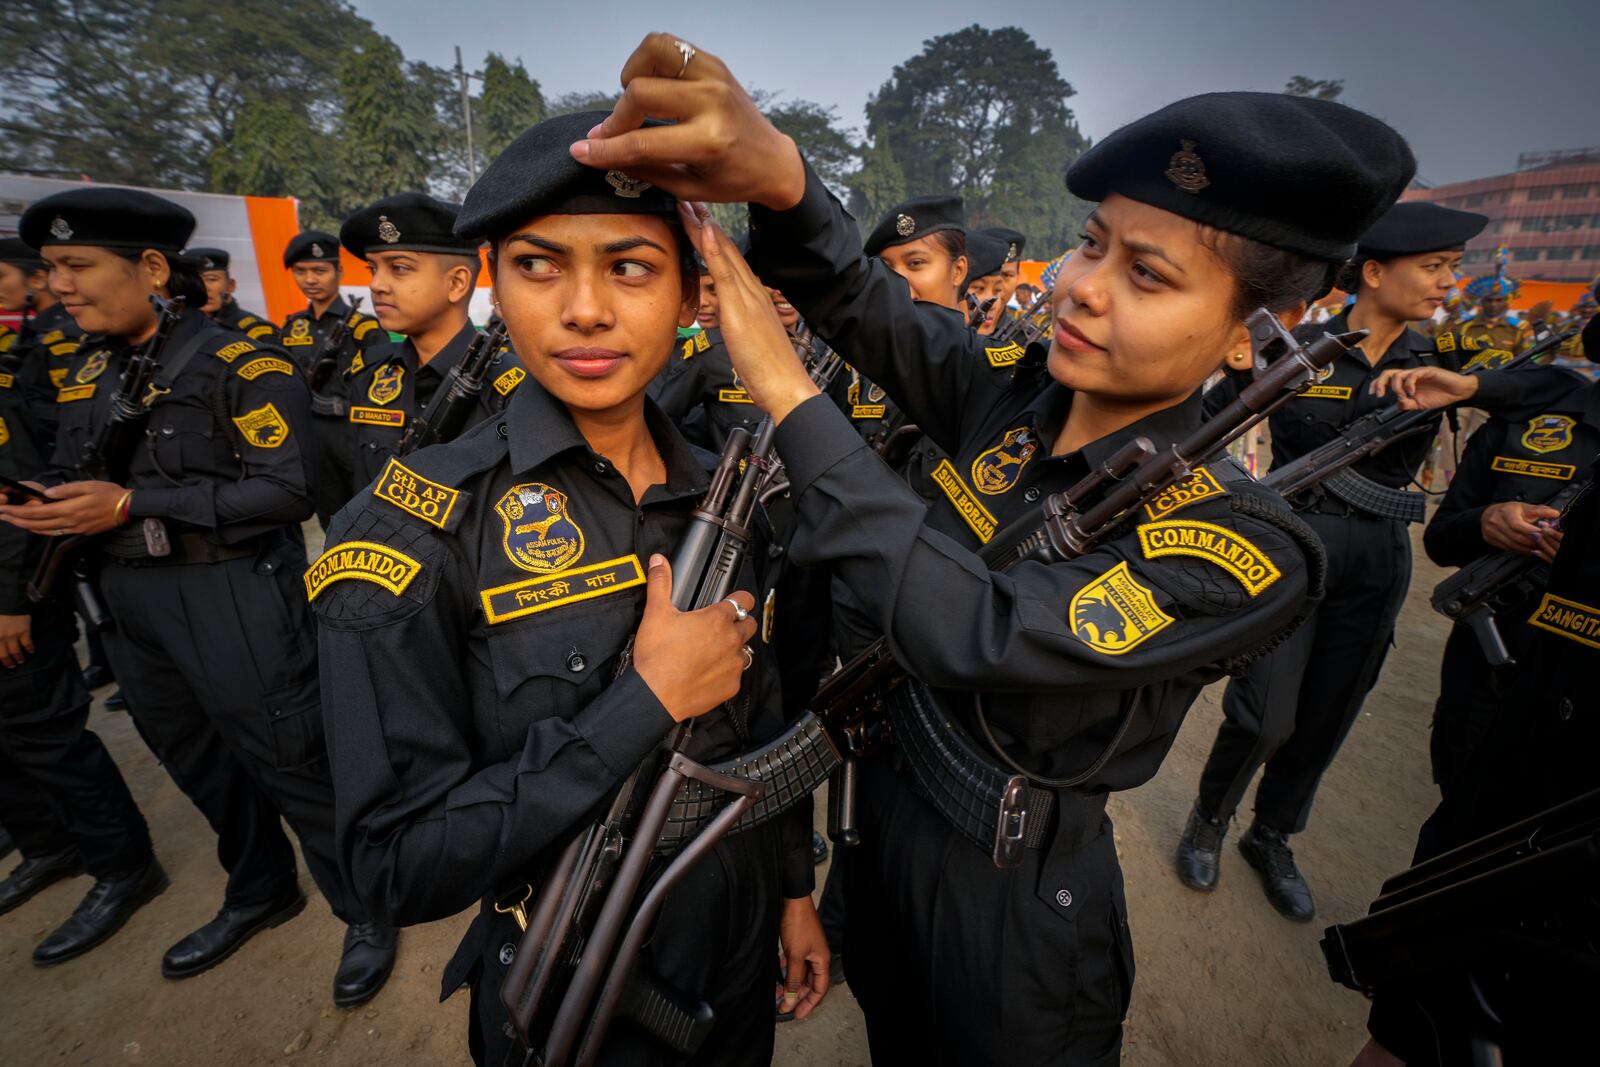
388,232
624,185
59,229
905,225
1186,170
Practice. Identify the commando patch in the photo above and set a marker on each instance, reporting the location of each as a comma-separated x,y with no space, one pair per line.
413,494
365,328
229,353
1572,620
978,517
1005,355
1548,433
1198,486
364,561
1114,614
509,380
533,595
378,417
1561,472
1218,545
265,365
264,427
997,470
540,535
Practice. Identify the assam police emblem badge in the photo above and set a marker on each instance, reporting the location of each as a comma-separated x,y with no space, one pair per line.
93,367
540,535
997,470
1548,433
386,383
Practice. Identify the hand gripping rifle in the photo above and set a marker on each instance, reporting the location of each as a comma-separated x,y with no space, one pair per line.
108,455
1500,579
326,358
575,964
865,701
452,405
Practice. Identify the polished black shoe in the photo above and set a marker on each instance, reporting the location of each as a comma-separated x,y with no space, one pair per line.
7,845
97,676
1200,851
819,849
117,702
222,936
109,903
368,958
1267,850
31,876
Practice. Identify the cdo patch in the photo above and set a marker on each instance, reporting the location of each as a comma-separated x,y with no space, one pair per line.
363,561
413,494
1114,614
1217,545
972,512
1198,486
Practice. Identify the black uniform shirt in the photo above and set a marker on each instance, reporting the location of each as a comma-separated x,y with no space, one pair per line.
392,387
27,431
1530,458
227,448
473,606
1211,571
55,332
254,327
699,391
302,335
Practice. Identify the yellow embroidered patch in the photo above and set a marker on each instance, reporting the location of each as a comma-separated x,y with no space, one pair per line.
509,381
362,561
1005,355
356,364
1570,619
1548,433
1114,614
1561,472
365,328
92,367
997,470
265,427
1489,359
65,348
1218,545
972,512
256,333
387,381
74,392
300,333
1328,392
229,353
533,595
6,381
540,534
5,432
52,337
377,417
265,365
868,411
1445,342
734,396
58,377
1198,486
416,495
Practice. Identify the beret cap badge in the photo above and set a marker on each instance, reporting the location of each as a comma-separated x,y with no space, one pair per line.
59,229
1186,170
316,249
624,185
905,225
388,232
1011,252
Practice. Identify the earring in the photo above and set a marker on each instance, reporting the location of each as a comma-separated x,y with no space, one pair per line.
1239,360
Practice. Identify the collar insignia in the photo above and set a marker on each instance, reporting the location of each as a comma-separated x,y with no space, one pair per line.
1186,170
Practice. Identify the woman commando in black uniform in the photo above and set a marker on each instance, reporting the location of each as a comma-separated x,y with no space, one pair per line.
1200,221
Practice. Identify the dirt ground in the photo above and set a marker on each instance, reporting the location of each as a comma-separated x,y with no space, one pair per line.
1221,978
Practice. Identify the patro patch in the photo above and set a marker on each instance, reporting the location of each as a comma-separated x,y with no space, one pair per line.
265,427
413,494
1198,486
1114,614
1218,545
364,561
540,535
533,595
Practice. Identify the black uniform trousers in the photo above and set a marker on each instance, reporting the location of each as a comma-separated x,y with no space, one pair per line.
716,940
218,662
1470,690
1292,708
59,787
955,961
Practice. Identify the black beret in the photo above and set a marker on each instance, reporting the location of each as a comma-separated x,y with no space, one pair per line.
311,246
1304,175
1417,226
207,258
107,218
536,175
917,217
986,254
1014,240
407,222
18,253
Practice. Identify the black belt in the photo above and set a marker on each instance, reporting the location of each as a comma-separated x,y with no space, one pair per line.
127,547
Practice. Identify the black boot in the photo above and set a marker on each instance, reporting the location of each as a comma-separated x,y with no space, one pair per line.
819,849
222,936
109,903
1200,851
368,958
1267,850
33,875
97,675
116,702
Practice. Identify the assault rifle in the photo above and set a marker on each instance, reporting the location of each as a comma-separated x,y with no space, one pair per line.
452,405
1475,592
865,700
326,358
108,455
574,969
1023,329
1371,434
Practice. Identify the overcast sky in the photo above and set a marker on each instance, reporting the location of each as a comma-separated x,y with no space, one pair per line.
1470,83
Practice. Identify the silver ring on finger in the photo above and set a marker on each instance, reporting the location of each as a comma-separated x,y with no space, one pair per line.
739,614
688,51
749,658
59,531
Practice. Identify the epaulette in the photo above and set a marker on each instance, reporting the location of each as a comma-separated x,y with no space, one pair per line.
256,333
366,326
693,346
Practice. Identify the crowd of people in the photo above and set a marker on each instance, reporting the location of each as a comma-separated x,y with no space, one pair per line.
493,639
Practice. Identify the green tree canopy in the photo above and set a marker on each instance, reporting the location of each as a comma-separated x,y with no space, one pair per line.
511,103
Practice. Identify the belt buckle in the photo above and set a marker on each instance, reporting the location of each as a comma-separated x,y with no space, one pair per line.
1011,824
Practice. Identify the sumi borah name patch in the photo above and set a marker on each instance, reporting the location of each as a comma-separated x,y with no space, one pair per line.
1572,620
362,561
1198,486
509,381
1218,545
415,495
1114,614
973,513
533,595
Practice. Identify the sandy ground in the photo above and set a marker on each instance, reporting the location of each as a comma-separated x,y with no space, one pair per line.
1221,978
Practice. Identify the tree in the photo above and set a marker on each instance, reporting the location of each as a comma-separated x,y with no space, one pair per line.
816,130
276,151
389,129
880,184
983,113
1300,85
510,104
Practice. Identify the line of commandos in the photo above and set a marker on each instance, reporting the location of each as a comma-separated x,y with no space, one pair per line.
461,704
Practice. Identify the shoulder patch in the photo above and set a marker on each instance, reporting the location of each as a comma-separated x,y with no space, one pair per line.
6,381
365,328
265,365
64,348
415,495
1228,549
1568,618
509,380
1005,355
365,561
1114,614
229,353
357,365
5,432
1199,485
264,427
